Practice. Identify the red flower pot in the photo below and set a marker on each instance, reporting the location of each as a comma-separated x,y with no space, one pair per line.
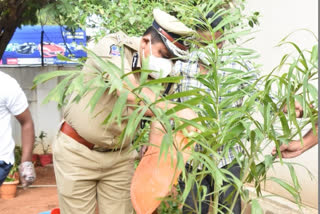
45,159
35,159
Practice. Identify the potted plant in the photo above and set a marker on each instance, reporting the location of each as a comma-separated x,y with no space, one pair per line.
45,158
9,187
35,159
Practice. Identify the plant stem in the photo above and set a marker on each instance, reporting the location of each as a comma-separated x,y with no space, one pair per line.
216,198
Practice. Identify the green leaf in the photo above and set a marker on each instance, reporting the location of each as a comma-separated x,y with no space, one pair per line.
294,177
132,19
193,92
112,70
191,102
251,23
120,106
42,78
165,146
252,142
180,162
268,161
303,61
233,132
131,125
96,97
313,91
266,116
255,207
289,188
284,124
76,85
58,93
314,54
162,80
64,58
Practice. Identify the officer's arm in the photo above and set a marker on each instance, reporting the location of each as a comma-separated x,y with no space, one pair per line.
148,93
184,113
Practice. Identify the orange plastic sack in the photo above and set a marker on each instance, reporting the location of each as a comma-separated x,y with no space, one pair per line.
153,178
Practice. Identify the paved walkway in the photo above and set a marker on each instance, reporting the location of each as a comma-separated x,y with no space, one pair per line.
30,201
35,199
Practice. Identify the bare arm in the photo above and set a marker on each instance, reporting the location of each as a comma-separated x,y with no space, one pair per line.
27,134
185,113
295,148
298,109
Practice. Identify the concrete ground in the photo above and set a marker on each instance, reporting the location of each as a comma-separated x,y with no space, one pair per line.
42,196
279,205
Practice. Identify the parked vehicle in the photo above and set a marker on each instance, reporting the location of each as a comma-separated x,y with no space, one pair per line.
26,48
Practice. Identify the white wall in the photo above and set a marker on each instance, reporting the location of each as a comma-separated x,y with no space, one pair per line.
279,18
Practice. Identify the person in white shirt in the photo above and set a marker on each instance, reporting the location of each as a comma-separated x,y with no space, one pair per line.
13,101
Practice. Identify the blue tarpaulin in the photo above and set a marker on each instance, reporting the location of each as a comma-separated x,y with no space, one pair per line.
25,46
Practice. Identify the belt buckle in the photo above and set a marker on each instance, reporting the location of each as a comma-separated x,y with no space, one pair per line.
101,149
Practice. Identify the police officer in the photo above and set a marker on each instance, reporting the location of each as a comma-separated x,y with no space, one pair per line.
90,167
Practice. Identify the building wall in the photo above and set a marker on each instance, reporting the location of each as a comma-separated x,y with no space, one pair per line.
279,18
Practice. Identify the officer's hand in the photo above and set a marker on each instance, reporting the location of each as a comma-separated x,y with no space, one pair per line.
27,173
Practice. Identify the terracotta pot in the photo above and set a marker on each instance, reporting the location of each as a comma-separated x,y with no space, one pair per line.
35,159
8,189
45,159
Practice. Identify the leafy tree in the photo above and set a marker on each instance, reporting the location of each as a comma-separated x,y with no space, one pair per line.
129,16
116,15
13,14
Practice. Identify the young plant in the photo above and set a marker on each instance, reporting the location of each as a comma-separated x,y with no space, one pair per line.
12,176
40,140
17,154
222,121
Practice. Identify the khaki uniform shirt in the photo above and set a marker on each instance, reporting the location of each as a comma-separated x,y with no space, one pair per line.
89,124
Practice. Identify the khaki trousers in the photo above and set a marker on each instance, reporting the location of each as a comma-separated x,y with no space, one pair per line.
86,178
